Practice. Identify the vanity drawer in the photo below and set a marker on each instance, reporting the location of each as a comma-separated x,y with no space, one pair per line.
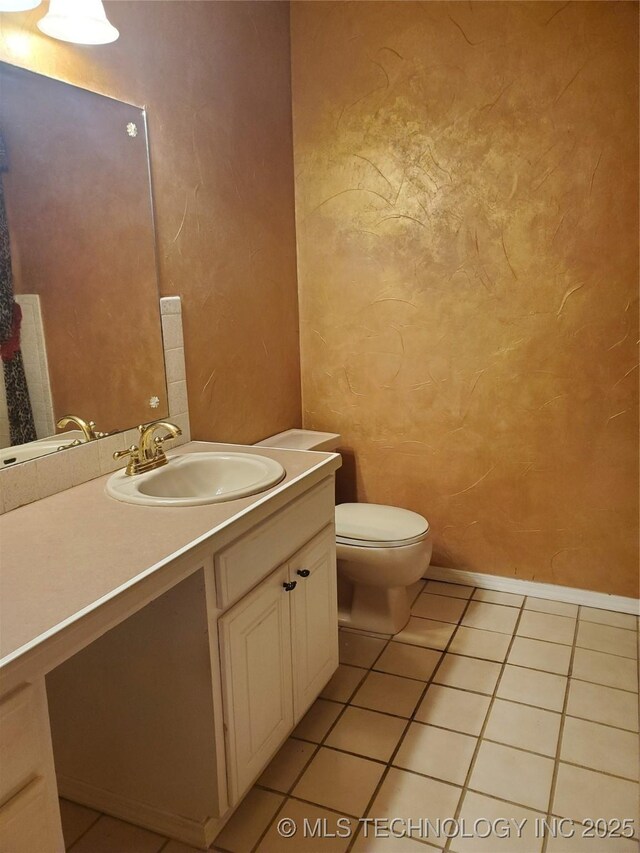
19,740
242,565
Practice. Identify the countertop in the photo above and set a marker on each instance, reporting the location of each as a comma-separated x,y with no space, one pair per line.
65,556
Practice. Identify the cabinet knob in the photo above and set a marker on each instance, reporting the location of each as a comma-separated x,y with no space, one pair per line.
304,573
289,585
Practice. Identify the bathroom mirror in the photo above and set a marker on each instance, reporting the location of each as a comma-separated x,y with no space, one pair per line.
79,218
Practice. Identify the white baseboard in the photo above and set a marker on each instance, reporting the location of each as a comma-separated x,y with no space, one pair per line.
141,814
568,594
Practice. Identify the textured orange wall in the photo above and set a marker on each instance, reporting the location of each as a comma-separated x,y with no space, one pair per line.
215,77
466,201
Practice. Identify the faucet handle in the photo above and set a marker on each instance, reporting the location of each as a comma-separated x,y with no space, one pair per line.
130,451
134,455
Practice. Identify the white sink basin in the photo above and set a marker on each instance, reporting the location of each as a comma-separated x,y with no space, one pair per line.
198,478
35,449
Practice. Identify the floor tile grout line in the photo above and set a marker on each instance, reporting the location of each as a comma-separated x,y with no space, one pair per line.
556,763
505,634
465,785
600,723
411,718
82,834
494,696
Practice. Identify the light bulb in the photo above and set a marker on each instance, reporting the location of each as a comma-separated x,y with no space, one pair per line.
18,5
78,21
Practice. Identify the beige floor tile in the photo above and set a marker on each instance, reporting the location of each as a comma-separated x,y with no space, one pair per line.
600,748
578,843
249,821
76,820
318,720
481,812
109,835
453,709
439,607
512,775
536,654
456,590
542,689
389,694
317,818
492,596
287,765
436,752
339,781
367,733
547,626
369,843
480,644
523,726
608,617
584,794
491,617
603,705
408,661
547,605
407,795
359,649
606,638
343,683
468,673
179,847
426,632
610,670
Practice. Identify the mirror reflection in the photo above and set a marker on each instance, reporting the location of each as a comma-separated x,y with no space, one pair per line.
80,332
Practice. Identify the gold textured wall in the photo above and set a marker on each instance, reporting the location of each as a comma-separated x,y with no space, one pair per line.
466,201
215,77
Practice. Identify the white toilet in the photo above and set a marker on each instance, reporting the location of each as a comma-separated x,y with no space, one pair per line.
382,550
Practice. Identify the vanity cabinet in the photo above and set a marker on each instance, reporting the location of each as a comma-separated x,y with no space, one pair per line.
29,818
278,648
168,718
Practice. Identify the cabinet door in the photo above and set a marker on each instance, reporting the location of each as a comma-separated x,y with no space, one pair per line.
25,822
314,617
255,649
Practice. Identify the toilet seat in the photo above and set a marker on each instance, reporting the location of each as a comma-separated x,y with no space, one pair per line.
378,526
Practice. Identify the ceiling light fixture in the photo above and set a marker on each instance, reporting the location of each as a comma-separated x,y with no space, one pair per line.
78,21
18,5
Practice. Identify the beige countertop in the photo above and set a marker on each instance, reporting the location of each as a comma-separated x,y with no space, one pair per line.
65,556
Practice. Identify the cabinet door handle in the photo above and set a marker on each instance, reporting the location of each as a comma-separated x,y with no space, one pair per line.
304,573
289,585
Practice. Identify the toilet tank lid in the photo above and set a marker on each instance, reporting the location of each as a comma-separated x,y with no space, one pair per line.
378,523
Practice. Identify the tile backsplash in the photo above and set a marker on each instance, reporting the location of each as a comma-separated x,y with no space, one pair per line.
29,481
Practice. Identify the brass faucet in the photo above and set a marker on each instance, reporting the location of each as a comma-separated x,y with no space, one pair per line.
88,429
149,454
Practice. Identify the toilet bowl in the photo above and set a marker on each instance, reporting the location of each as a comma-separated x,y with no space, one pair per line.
381,550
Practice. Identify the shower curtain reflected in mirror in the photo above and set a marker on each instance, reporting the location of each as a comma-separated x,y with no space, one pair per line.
21,425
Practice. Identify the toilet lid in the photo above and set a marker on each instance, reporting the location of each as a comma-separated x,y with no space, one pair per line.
378,523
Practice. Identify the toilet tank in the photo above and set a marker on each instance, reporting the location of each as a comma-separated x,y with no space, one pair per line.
303,439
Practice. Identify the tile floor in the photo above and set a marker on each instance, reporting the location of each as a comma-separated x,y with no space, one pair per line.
488,708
